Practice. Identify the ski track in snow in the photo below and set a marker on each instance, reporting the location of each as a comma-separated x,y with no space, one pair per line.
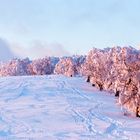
60,108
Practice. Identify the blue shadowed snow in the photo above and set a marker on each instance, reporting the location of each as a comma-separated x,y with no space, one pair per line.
60,108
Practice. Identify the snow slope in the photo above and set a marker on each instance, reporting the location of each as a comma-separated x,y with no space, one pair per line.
60,108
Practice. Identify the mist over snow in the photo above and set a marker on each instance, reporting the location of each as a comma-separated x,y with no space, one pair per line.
39,49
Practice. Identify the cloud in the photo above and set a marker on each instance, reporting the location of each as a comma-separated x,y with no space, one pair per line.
5,51
137,46
39,49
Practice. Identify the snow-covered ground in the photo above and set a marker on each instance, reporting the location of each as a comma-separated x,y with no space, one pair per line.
60,108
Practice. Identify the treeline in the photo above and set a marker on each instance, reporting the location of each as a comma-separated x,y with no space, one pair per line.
116,70
69,66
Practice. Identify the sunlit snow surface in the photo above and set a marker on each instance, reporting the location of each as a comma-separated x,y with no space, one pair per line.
60,108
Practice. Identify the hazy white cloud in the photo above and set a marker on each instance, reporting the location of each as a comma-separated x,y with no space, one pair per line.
137,46
5,51
39,49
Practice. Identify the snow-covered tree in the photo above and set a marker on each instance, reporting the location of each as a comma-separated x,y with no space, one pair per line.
14,67
113,69
117,70
42,66
17,67
65,66
69,66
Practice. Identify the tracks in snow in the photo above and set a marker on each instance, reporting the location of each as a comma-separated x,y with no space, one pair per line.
113,127
58,108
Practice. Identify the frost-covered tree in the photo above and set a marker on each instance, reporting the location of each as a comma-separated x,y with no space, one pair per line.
65,66
69,66
17,67
42,66
117,70
95,66
14,67
79,60
113,69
